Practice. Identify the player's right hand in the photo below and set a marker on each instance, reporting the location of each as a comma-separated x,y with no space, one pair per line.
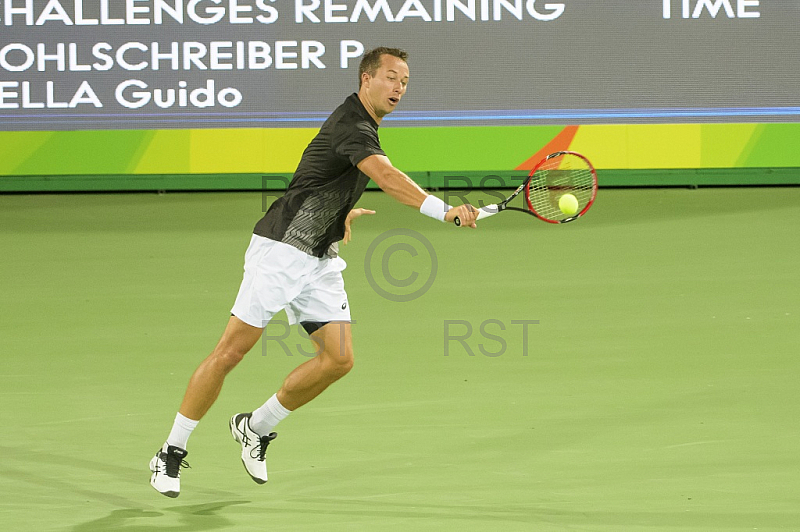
467,214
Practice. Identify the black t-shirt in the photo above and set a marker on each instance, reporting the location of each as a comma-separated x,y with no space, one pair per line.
327,183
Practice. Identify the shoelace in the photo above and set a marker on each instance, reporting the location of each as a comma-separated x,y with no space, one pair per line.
174,464
260,450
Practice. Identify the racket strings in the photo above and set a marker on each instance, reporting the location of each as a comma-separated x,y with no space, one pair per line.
564,174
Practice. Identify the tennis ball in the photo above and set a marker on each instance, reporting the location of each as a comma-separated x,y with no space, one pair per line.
568,204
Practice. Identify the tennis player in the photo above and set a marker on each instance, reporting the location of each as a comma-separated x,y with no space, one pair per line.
292,263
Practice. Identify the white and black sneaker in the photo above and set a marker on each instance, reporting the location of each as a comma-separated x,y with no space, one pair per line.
166,467
254,446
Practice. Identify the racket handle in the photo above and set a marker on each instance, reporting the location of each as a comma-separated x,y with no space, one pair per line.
484,212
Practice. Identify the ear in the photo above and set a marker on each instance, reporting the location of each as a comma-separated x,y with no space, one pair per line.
365,77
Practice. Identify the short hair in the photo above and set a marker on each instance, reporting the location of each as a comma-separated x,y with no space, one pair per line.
371,61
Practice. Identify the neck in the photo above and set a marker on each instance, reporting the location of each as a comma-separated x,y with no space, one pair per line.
368,106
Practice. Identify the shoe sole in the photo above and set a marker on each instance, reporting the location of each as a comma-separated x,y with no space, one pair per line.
170,494
234,432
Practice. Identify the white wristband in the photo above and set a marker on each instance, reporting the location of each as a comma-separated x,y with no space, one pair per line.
434,207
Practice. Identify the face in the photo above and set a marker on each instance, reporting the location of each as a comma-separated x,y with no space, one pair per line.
384,91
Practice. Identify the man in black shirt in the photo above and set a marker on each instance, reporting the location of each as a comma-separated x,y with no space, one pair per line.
292,263
326,184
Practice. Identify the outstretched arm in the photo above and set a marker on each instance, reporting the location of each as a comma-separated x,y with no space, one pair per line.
402,188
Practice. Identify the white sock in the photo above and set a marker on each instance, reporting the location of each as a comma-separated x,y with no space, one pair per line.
267,416
181,430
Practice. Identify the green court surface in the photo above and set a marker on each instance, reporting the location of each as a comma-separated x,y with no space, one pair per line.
658,390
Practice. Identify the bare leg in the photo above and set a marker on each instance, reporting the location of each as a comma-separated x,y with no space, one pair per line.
334,359
206,382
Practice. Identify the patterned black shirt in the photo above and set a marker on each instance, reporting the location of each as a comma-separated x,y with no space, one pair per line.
327,183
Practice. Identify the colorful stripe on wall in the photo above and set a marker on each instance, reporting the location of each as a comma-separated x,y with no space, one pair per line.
413,149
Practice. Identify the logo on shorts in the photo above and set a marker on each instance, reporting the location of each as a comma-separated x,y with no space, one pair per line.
344,305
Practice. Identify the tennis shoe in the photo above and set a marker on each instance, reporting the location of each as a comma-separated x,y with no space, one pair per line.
166,467
254,446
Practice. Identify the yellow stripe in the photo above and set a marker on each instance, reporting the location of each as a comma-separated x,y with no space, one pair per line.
641,146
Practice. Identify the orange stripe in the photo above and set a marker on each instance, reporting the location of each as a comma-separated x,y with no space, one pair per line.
560,142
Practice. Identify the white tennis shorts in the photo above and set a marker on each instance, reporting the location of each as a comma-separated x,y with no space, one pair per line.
279,276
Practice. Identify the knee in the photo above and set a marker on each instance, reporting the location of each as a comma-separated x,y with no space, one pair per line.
337,365
227,358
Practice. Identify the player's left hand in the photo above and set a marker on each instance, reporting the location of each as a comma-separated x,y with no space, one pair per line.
352,215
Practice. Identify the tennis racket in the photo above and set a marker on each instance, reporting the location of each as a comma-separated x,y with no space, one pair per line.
558,174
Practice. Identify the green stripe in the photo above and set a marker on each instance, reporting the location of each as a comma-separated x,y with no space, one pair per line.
440,149
86,152
772,145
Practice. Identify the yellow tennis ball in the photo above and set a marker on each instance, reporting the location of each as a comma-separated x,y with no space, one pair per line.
568,204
